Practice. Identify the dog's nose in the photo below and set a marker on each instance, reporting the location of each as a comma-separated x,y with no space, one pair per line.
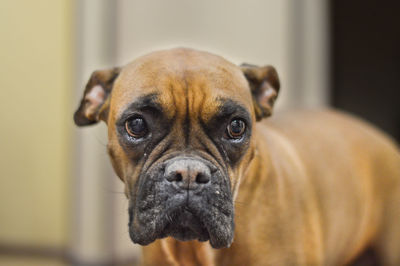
187,173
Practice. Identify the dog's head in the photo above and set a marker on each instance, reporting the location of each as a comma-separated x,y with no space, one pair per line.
179,136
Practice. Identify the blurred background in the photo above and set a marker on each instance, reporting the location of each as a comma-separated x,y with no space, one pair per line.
60,202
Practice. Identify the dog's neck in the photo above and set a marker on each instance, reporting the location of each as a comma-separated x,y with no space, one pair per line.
189,253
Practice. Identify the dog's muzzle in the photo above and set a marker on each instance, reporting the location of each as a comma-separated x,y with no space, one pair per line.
186,198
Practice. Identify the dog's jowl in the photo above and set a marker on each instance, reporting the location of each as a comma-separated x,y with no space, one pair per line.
212,179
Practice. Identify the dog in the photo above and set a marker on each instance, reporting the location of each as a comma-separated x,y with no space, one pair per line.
210,181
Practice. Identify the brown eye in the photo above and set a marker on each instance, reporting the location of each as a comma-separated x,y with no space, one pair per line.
136,127
236,128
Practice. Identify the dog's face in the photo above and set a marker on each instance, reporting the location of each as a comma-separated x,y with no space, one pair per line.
179,128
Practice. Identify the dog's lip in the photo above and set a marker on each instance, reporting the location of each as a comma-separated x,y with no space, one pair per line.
184,224
186,215
187,220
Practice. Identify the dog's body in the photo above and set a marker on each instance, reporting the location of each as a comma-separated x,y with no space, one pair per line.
308,187
322,188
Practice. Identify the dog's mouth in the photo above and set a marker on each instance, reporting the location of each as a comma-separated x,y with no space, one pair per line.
160,209
184,225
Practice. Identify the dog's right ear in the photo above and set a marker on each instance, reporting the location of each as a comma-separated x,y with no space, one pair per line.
95,101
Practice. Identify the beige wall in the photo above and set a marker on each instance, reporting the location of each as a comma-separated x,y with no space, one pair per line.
57,188
251,31
35,82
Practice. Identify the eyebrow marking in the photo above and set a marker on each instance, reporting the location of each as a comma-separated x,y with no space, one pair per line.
228,107
147,102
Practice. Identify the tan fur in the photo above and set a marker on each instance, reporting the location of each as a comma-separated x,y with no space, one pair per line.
328,189
314,188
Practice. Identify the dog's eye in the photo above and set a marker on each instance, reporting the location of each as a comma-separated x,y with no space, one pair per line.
236,128
136,127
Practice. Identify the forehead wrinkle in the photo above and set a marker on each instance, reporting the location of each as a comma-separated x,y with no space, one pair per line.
200,90
168,101
209,107
177,101
201,106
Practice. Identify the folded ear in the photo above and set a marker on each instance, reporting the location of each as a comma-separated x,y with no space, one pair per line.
264,85
95,101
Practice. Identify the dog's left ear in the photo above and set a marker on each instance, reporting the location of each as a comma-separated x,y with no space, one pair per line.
264,85
95,100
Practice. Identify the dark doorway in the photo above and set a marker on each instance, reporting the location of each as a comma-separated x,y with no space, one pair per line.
365,57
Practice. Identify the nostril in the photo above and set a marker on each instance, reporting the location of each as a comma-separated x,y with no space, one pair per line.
202,178
175,177
178,177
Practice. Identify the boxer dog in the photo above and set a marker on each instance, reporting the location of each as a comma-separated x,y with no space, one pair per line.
209,182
